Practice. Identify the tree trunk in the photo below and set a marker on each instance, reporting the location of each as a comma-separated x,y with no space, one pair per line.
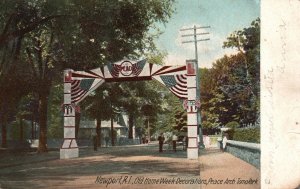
3,123
130,132
43,110
98,131
21,130
32,129
35,130
112,130
4,112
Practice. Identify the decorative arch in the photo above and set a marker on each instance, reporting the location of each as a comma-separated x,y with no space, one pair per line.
180,80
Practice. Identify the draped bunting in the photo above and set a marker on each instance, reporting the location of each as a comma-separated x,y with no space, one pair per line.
173,77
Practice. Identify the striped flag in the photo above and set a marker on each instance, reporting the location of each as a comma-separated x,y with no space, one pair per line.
176,84
79,88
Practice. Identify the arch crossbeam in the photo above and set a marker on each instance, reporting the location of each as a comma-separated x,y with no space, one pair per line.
84,82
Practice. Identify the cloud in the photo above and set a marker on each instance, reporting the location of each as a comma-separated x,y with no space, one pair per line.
208,51
205,60
174,59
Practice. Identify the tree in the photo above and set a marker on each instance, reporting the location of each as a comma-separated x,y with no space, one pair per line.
53,35
11,91
172,116
140,99
230,89
55,112
11,71
247,42
21,17
133,97
26,24
98,106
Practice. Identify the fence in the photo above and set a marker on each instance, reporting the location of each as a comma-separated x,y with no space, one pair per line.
249,152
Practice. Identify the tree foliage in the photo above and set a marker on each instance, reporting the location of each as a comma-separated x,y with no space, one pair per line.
230,89
48,36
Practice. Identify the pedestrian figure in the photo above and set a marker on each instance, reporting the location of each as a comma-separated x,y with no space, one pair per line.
186,141
224,141
174,140
106,140
161,140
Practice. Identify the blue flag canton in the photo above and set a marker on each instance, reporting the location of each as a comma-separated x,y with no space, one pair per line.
110,68
169,80
141,64
86,84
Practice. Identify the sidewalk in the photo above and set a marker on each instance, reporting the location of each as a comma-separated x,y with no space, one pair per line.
226,171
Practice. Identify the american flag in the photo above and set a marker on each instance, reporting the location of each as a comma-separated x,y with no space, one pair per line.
79,88
176,84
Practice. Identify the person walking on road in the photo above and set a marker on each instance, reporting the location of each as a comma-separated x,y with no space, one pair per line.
174,141
161,140
106,140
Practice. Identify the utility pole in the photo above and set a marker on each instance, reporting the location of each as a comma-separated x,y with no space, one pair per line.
195,40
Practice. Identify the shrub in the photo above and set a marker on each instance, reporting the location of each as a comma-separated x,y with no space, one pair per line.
247,134
232,125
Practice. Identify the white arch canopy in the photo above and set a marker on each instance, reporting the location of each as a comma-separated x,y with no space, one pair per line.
180,80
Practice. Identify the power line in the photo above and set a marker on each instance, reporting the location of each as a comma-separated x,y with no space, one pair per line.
195,34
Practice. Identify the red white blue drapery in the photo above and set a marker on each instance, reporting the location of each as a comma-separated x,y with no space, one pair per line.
173,77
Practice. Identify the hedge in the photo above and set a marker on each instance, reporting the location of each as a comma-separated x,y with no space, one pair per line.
247,134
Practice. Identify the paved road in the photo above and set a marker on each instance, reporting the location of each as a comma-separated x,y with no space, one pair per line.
142,163
140,166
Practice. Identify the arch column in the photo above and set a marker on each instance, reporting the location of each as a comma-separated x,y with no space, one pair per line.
192,109
69,148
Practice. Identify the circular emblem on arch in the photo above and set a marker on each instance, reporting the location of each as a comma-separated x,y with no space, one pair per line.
126,68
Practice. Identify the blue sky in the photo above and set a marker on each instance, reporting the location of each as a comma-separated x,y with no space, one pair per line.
224,17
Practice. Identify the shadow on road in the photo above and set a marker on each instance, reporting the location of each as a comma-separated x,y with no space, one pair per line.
32,169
